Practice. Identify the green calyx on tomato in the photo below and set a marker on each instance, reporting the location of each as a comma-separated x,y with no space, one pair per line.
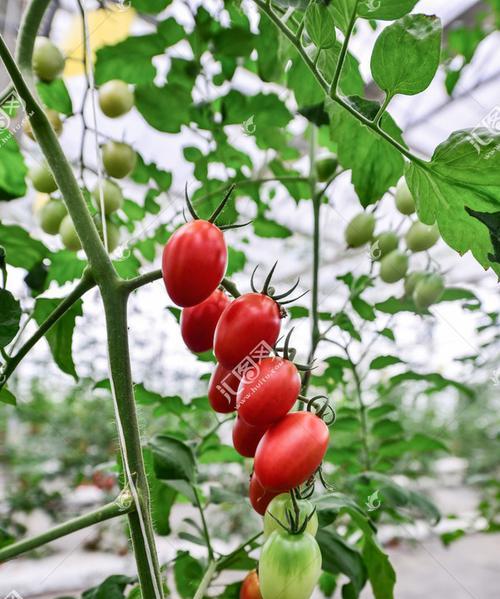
115,98
119,159
326,167
289,566
112,196
51,216
277,516
360,230
393,267
428,291
404,199
42,178
48,60
421,237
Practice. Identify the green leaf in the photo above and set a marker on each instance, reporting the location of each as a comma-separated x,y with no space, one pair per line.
363,308
394,305
320,25
10,315
173,459
417,444
188,573
7,397
162,497
155,102
264,227
236,261
112,588
55,95
150,6
12,168
384,361
381,574
65,266
385,10
437,381
463,177
298,312
418,37
60,335
376,165
21,249
387,428
340,557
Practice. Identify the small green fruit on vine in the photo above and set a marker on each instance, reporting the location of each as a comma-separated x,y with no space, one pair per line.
404,199
55,121
112,233
42,178
115,98
48,60
69,235
360,230
421,237
112,195
51,216
411,281
383,244
277,512
428,291
393,267
118,158
326,167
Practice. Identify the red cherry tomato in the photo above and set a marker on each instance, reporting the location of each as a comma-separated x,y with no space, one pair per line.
194,262
250,589
248,327
270,393
222,390
291,451
260,497
198,322
246,437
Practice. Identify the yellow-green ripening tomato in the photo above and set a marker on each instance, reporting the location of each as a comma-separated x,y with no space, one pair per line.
421,237
112,195
48,60
118,158
279,507
51,216
360,230
428,291
54,119
42,178
383,244
404,199
115,98
393,267
326,167
69,235
411,281
289,566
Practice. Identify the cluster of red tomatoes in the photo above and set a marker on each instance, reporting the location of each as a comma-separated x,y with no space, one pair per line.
261,386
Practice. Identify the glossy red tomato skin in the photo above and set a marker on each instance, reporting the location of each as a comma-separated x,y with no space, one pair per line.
251,321
291,451
270,394
246,437
222,390
194,262
260,497
198,322
250,589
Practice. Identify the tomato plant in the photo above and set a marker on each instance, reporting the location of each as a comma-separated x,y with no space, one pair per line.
115,98
198,322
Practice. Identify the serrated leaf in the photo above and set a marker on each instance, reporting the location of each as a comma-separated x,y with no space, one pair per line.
21,249
264,227
340,557
112,588
419,38
65,266
10,315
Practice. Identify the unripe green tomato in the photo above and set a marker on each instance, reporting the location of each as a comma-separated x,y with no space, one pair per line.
404,200
289,566
393,267
112,233
428,291
383,244
51,216
48,60
279,507
42,178
360,230
326,167
55,121
112,194
411,281
421,237
115,98
69,235
118,158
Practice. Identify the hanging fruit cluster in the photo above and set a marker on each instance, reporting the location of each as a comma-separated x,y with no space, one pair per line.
260,381
423,287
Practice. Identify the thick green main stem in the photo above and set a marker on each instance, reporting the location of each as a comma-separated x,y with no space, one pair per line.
112,510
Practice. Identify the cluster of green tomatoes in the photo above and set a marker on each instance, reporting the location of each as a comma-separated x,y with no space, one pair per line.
118,158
